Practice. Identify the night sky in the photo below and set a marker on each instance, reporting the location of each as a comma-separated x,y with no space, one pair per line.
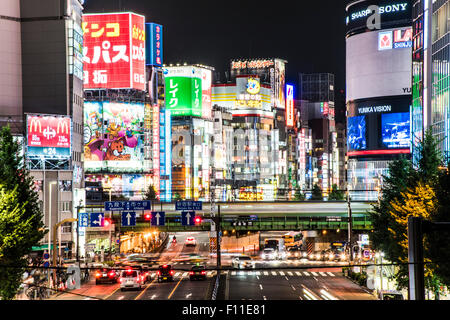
310,35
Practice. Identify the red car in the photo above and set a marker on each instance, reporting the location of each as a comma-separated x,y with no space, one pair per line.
106,275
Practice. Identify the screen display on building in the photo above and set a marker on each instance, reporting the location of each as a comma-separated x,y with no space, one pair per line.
49,136
184,91
114,51
154,43
206,93
290,116
113,136
379,64
379,126
361,16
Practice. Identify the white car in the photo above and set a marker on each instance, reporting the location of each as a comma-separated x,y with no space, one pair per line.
190,241
269,254
132,279
243,262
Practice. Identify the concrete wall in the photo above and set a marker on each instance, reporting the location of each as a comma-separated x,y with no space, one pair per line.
241,245
10,59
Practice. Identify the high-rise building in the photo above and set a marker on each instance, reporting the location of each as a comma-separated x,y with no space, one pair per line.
431,72
41,97
317,96
378,93
255,94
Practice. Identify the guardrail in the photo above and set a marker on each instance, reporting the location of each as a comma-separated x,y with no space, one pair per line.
173,224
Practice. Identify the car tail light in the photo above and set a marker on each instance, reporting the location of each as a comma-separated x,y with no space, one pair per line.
98,274
137,279
158,273
120,280
203,272
172,272
111,274
191,273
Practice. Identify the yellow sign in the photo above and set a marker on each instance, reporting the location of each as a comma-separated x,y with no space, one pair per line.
253,86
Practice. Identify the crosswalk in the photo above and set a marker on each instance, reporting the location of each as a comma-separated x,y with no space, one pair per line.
271,273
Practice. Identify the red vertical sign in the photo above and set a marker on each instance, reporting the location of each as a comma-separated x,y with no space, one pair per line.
114,51
289,106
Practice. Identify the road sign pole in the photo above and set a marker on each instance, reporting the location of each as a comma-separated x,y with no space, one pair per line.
218,231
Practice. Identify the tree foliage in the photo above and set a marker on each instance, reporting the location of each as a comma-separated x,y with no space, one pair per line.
336,194
151,193
408,190
21,221
316,193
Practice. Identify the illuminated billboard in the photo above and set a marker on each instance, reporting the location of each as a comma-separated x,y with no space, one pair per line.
290,106
49,136
379,126
206,93
114,51
184,91
280,84
154,44
130,185
113,136
396,130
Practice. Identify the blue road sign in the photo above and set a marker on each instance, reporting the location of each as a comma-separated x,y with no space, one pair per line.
128,218
187,218
83,220
188,205
46,256
128,205
158,218
97,219
46,264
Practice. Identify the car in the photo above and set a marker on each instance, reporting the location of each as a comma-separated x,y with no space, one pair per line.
190,241
243,262
146,272
316,256
131,279
197,272
294,253
106,275
165,273
391,295
269,254
336,256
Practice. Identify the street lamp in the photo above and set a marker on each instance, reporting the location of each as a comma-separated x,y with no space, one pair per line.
55,228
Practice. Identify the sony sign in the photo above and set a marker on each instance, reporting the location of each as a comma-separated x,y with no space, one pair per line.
381,10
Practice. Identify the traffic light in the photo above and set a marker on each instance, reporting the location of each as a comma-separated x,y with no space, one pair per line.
148,216
197,220
106,222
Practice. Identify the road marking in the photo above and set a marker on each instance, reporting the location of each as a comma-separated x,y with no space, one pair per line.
281,273
264,297
241,273
185,274
293,288
266,273
257,273
188,295
306,273
121,297
153,296
170,295
260,286
177,274
209,274
145,289
286,278
323,274
290,273
112,293
314,273
331,274
326,295
274,273
257,277
298,273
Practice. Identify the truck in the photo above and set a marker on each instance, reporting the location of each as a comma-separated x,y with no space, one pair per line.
278,245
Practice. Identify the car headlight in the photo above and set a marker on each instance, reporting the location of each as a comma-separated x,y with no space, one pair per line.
289,254
342,256
305,254
318,256
296,254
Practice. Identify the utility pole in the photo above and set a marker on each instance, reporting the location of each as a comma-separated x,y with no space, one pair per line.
350,226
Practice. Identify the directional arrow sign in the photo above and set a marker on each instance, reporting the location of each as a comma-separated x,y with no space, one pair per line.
97,219
128,218
187,218
158,218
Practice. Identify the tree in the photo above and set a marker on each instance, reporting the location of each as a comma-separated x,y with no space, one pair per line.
151,193
336,194
406,191
299,196
21,219
316,193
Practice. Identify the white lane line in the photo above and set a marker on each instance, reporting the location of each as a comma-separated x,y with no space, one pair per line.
266,273
306,273
274,273
331,274
281,273
323,274
121,297
260,286
258,273
257,277
298,273
286,278
290,273
293,288
233,273
326,295
153,296
188,295
314,273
